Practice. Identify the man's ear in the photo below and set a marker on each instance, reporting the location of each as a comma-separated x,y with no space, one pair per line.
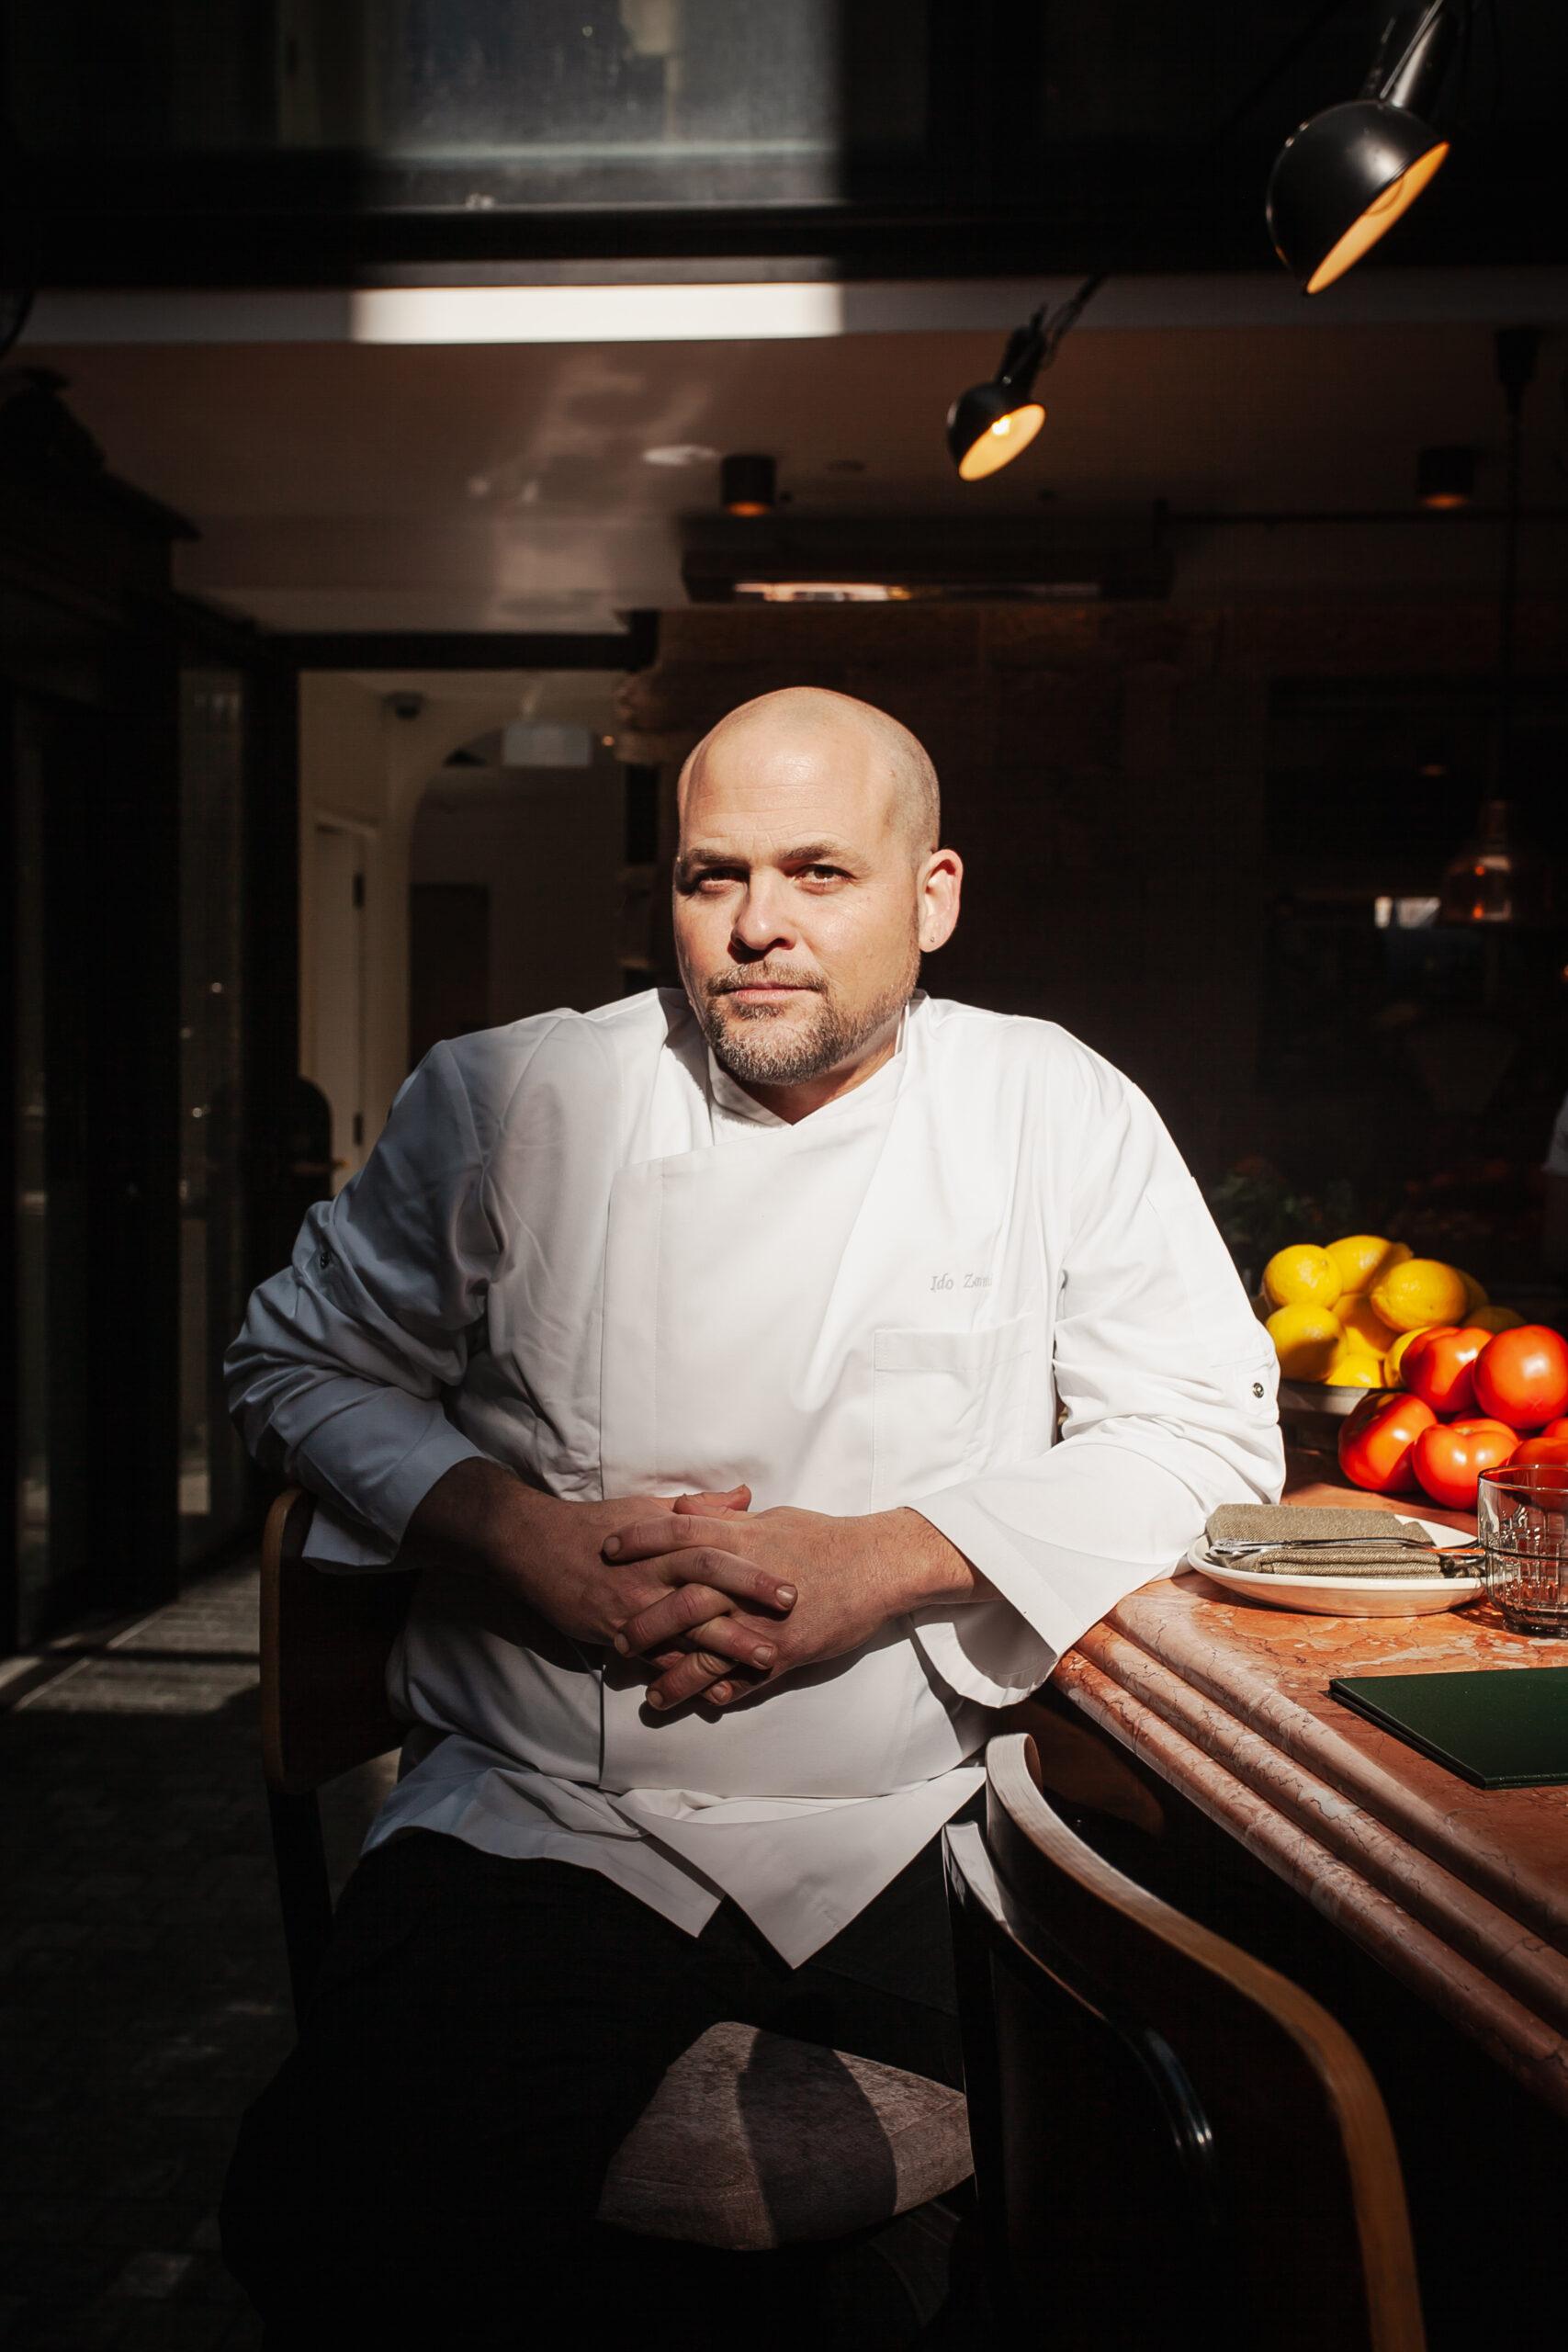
941,885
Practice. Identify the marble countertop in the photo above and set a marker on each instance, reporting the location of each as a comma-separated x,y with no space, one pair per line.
1462,1893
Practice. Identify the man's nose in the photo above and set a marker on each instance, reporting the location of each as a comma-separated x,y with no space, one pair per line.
761,922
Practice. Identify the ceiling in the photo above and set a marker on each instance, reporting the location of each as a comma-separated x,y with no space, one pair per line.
342,484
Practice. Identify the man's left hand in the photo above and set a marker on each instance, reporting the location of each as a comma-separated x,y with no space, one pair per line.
851,1576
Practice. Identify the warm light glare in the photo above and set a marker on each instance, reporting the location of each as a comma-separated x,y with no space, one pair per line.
1378,217
1005,440
821,592
746,507
1441,502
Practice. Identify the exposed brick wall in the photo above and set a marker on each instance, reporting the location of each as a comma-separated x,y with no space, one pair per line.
1102,771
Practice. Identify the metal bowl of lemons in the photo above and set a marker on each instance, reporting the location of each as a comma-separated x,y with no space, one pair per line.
1342,1312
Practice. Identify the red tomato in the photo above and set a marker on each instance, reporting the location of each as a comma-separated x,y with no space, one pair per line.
1436,1366
1521,1376
1543,1448
1375,1441
1554,1429
1449,1458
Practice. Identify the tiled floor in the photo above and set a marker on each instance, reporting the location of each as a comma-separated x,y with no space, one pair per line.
143,1994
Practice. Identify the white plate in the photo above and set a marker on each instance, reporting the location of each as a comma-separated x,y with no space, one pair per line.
1347,1596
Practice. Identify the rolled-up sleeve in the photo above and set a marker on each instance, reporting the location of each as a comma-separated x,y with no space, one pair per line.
1167,1385
336,1379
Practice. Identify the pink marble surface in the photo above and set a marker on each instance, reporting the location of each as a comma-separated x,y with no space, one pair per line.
1535,2052
1462,1892
1269,1670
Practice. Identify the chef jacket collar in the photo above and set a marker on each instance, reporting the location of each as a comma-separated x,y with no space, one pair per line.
733,1101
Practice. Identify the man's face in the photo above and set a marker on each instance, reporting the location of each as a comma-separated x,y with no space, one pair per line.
802,902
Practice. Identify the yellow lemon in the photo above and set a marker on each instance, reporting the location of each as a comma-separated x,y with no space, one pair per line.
1358,1314
1304,1339
1354,1365
1476,1295
1493,1318
1303,1275
1421,1290
1393,1359
1364,1258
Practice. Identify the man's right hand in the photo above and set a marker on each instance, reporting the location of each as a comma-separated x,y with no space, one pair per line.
483,1522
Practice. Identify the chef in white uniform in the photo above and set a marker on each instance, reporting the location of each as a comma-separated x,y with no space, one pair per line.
778,1374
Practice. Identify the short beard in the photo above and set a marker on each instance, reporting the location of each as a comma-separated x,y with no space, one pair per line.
746,1047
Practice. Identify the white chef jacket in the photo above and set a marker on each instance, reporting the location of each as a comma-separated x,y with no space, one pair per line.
982,1284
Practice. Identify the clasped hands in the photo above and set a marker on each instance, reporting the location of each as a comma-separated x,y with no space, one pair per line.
836,1581
718,1600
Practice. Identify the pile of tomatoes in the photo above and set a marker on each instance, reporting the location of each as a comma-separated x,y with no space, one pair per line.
1471,1400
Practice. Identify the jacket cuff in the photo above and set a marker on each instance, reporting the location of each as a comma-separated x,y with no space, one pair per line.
405,1487
1053,1594
987,1652
372,1463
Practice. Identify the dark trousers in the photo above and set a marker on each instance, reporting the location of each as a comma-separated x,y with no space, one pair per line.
425,2167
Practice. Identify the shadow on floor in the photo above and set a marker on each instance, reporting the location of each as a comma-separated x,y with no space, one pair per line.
145,1994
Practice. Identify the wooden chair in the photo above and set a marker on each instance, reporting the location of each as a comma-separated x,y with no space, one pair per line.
324,1645
1173,2144
754,2140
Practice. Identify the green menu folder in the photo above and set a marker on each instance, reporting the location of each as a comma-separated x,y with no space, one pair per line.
1506,1729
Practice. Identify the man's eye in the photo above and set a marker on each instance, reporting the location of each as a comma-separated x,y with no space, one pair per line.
823,873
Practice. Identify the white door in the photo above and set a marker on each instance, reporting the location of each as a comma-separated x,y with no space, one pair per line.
339,993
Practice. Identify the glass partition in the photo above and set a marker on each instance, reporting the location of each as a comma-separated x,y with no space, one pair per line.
212,1473
297,141
685,101
31,1174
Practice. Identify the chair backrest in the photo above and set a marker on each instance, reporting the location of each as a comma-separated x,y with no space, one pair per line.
324,1645
1174,2145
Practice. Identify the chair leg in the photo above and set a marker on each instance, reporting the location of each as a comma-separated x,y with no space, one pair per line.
303,1889
982,2086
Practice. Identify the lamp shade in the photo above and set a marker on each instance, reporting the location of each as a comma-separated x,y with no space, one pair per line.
1342,181
748,484
1445,478
990,424
1495,878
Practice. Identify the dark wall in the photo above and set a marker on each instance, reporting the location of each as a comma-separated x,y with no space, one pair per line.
1107,776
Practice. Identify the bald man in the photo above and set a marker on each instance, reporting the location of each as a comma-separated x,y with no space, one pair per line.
775,1376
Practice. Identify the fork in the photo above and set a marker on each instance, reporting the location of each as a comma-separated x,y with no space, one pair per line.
1235,1547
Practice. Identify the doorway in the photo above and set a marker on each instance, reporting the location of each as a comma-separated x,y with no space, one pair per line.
464,847
448,963
516,869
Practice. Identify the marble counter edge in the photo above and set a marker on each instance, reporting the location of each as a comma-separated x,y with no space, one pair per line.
1235,1683
1495,1939
1512,2034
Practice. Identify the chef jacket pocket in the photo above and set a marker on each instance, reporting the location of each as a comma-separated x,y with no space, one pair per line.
944,1403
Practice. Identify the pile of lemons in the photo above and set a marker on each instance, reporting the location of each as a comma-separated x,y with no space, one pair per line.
1345,1314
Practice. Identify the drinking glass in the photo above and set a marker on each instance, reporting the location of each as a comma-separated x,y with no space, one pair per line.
1523,1522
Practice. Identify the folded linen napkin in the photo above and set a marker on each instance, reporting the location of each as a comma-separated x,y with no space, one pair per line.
1325,1543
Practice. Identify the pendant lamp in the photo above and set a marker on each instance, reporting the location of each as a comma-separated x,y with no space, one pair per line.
1445,478
748,483
990,424
1345,177
1495,877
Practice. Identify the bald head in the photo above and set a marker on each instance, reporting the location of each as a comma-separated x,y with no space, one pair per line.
802,727
809,883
